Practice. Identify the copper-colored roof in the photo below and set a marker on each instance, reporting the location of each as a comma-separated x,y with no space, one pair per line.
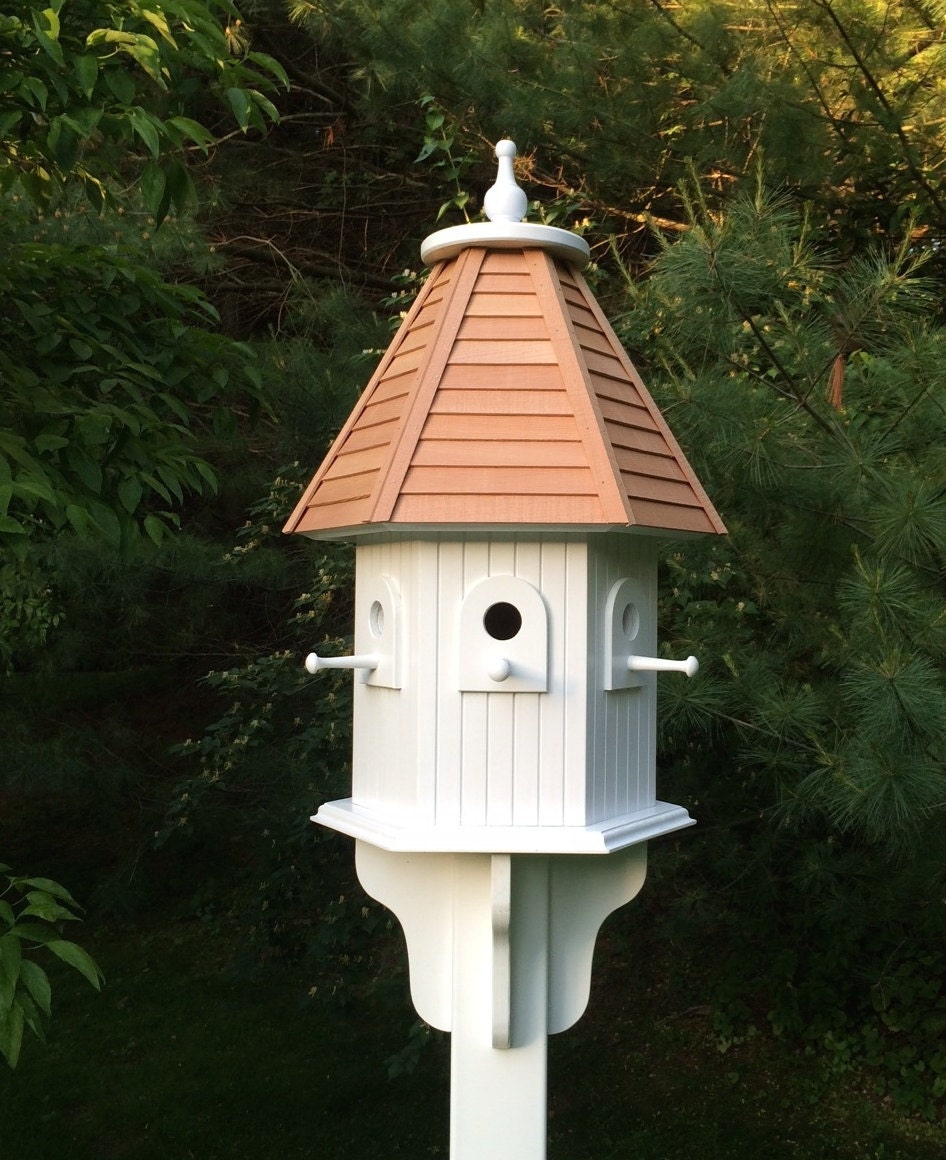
504,399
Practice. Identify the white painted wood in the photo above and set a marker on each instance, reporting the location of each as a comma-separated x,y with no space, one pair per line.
399,834
437,761
624,607
501,916
583,892
567,572
504,201
380,606
488,632
446,244
498,1096
500,951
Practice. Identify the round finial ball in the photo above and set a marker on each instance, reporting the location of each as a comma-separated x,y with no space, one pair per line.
505,148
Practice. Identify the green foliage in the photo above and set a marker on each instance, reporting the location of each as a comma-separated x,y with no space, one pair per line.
438,151
281,744
98,425
841,102
32,914
809,390
107,369
87,84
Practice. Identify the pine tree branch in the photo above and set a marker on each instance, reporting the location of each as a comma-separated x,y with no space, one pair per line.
789,391
882,99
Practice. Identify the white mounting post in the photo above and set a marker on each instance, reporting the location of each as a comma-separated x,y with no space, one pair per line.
500,949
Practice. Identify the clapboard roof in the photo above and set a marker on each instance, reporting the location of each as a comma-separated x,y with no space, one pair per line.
504,401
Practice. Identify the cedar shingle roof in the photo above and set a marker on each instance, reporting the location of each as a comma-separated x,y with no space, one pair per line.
504,399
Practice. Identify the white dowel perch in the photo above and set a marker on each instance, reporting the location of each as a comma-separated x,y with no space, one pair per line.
314,663
660,665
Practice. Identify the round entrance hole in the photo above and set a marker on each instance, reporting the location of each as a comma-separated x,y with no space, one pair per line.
502,620
376,618
630,621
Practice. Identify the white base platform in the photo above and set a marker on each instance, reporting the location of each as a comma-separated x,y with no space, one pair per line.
406,836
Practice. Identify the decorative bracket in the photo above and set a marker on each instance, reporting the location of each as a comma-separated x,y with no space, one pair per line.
520,929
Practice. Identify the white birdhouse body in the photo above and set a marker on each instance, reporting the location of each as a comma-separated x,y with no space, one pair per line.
505,731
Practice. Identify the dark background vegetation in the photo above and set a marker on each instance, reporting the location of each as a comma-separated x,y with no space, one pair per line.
209,229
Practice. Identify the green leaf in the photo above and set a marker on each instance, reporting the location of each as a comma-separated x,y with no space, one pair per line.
11,527
46,27
153,187
265,104
11,1034
33,932
157,486
87,73
34,87
107,522
180,186
157,20
121,85
44,906
107,36
50,442
155,528
11,956
76,957
84,121
79,519
193,131
31,1016
129,493
85,468
143,125
146,52
48,885
241,106
63,143
271,65
37,983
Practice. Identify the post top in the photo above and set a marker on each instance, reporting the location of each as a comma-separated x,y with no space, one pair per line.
505,205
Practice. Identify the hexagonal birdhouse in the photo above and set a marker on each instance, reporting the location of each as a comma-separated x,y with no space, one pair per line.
506,478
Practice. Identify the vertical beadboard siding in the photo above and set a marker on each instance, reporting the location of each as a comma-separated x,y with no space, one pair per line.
622,722
572,674
524,806
504,711
470,766
426,668
384,747
514,758
441,616
571,756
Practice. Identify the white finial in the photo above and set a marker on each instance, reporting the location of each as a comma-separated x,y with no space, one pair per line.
505,201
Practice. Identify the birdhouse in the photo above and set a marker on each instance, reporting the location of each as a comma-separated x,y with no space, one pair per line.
506,478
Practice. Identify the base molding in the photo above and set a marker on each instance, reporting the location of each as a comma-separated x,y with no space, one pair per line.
407,836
